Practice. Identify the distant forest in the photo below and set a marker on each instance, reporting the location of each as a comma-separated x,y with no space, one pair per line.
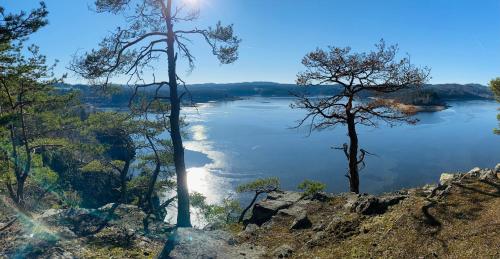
437,94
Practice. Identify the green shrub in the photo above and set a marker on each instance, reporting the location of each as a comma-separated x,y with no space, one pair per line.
310,187
220,215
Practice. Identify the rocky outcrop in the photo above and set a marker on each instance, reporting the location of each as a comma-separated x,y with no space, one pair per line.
486,174
380,226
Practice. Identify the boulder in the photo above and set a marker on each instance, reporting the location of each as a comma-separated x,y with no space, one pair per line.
284,251
497,169
301,222
266,209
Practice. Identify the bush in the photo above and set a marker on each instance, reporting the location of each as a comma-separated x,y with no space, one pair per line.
71,199
219,215
310,187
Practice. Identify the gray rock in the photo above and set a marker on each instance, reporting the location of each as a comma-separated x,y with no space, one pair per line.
264,210
284,251
285,196
301,222
294,211
194,243
497,169
371,205
351,200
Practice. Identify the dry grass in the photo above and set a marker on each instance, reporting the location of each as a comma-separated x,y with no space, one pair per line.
465,223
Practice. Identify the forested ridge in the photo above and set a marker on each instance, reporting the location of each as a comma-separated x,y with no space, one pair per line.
430,94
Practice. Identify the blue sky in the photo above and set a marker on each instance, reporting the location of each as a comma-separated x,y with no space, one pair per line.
458,39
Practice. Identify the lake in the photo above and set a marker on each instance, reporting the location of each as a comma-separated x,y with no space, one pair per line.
233,142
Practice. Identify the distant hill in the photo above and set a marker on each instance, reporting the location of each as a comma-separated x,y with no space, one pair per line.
429,95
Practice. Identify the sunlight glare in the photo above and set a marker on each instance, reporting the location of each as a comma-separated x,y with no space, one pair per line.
192,3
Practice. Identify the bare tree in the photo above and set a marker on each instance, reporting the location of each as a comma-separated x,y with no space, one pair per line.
356,75
148,39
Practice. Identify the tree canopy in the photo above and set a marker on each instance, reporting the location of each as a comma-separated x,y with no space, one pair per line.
378,72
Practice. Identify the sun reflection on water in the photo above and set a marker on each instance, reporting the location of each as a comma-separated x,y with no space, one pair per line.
203,179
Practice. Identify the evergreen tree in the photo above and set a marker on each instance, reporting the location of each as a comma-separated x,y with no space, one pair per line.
155,31
355,74
33,115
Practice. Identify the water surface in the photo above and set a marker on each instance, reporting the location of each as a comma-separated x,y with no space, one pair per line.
234,142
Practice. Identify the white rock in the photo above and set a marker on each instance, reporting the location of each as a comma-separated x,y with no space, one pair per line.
446,178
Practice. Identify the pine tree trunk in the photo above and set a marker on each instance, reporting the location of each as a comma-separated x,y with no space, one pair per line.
123,181
353,155
20,191
183,215
242,215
